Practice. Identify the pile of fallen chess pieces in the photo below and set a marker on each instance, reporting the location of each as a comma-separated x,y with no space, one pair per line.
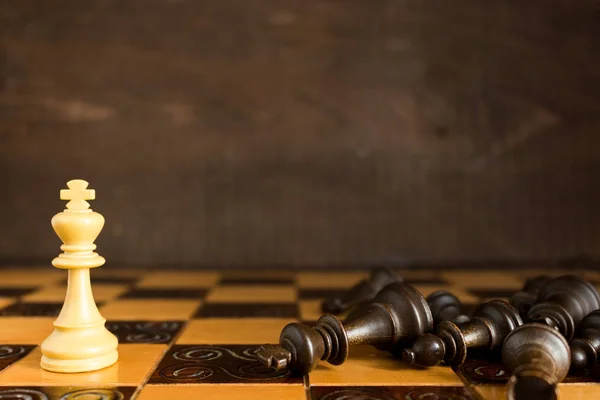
542,332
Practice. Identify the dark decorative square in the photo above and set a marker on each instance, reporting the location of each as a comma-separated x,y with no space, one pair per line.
480,371
54,392
492,293
482,368
390,392
32,310
248,310
149,332
321,294
15,291
9,353
256,280
147,293
114,279
216,364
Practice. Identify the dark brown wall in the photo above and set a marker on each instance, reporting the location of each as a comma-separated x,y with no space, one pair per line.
298,132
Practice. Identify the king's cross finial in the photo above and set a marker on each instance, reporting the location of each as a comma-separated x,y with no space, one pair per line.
78,193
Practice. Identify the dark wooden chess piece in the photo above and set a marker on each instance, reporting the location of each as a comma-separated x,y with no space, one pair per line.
526,297
585,349
397,315
446,307
538,358
563,302
362,292
490,324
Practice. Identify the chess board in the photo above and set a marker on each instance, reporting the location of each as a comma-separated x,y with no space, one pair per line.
193,335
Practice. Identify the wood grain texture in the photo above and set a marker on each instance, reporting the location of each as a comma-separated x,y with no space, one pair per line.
254,132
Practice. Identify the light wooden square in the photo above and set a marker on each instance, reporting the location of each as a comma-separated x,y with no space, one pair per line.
252,294
181,279
492,392
333,280
532,273
28,277
417,274
233,331
578,391
113,272
6,301
136,361
149,309
366,364
310,310
25,330
485,280
223,391
57,293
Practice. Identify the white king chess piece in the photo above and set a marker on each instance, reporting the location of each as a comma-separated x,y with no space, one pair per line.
80,341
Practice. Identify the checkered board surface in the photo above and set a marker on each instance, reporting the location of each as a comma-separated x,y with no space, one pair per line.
193,335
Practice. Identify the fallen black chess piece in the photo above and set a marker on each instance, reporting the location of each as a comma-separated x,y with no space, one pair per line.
537,353
538,358
398,314
490,324
585,350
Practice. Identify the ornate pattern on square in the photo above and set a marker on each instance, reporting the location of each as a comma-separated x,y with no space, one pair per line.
9,353
216,364
390,392
32,310
148,332
248,310
15,291
489,370
480,371
65,392
164,293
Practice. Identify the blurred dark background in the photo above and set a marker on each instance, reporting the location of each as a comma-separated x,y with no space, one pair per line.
304,133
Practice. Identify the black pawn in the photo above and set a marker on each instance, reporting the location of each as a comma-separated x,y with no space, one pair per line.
397,315
362,292
585,349
526,297
538,358
490,324
445,306
563,302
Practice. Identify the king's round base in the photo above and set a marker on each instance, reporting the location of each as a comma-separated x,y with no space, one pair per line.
81,365
83,349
